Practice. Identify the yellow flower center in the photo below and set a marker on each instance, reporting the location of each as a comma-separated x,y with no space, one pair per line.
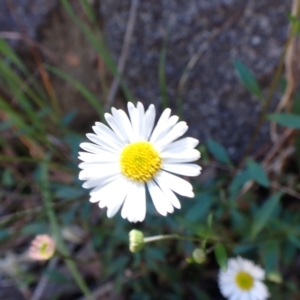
140,161
44,248
244,281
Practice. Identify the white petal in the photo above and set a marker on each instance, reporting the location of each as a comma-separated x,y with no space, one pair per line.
104,157
112,122
104,142
161,203
100,180
123,123
177,131
92,148
183,169
176,184
141,116
141,203
98,170
134,208
181,145
134,118
105,186
160,124
149,122
169,125
117,199
107,134
108,191
168,193
128,210
188,155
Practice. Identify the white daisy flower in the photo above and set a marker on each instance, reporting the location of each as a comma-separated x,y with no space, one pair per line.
130,156
243,281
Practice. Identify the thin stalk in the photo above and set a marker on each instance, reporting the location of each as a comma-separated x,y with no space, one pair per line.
267,102
62,247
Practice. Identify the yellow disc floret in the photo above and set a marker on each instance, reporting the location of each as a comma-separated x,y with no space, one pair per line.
244,281
140,161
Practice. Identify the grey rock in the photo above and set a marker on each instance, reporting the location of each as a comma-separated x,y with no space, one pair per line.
24,16
215,103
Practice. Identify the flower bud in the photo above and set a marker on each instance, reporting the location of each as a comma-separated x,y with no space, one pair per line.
199,256
136,240
274,276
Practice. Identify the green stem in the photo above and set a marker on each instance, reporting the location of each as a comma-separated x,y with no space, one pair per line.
171,236
62,247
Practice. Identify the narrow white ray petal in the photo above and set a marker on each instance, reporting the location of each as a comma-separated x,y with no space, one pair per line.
94,148
169,125
176,184
108,190
104,157
115,127
128,209
141,117
105,142
160,124
134,118
99,180
117,200
123,123
149,122
182,169
169,194
160,201
88,165
99,171
103,187
140,201
180,145
185,156
177,131
106,133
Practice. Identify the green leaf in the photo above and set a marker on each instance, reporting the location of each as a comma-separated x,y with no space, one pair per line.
203,202
265,214
10,54
247,78
221,256
238,181
270,253
35,228
257,172
287,120
56,276
218,152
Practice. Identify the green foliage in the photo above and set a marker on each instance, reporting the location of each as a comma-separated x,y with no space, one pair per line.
257,173
218,152
247,78
221,256
264,215
286,119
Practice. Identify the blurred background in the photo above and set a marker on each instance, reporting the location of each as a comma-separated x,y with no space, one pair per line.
226,67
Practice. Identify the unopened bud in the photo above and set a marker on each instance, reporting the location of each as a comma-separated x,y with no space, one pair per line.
136,240
199,256
274,276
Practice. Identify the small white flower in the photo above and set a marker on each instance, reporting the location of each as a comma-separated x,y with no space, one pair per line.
243,281
131,155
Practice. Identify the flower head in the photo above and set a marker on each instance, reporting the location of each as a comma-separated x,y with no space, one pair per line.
243,280
42,247
133,155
